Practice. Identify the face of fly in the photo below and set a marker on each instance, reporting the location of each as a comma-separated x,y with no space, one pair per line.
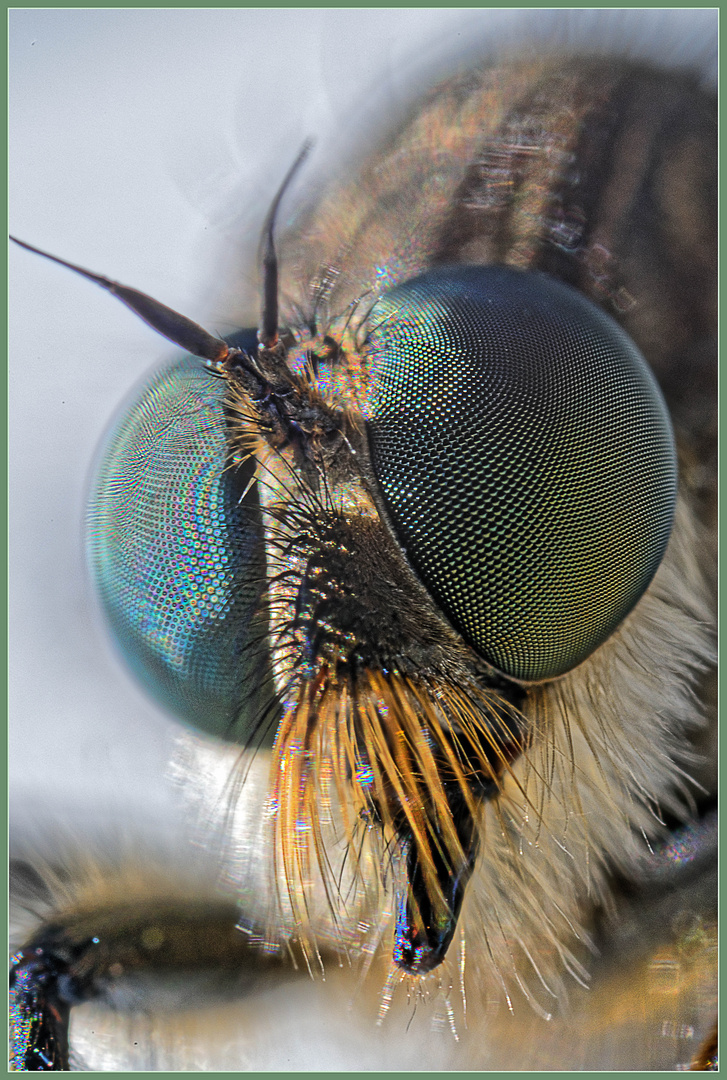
450,729
358,679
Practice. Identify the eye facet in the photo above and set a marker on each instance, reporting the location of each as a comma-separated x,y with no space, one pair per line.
525,457
175,547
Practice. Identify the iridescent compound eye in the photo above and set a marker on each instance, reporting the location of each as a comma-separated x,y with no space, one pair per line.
175,547
525,457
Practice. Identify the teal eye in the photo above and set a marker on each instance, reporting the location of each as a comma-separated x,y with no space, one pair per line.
176,551
525,457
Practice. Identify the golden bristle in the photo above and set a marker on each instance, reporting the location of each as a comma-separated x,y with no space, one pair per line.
405,733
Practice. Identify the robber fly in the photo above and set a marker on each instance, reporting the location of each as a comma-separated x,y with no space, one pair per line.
430,550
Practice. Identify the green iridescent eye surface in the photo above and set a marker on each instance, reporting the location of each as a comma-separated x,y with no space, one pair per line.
525,457
177,556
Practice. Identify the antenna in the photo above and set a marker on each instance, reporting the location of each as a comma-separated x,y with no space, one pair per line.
268,332
170,324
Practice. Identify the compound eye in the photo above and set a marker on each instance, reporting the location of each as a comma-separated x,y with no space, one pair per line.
176,550
525,457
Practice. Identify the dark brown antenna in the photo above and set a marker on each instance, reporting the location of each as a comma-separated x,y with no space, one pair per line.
170,324
268,332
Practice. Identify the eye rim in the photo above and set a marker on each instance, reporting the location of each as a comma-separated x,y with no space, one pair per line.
665,492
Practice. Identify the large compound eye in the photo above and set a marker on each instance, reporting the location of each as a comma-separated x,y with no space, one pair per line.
525,457
176,550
